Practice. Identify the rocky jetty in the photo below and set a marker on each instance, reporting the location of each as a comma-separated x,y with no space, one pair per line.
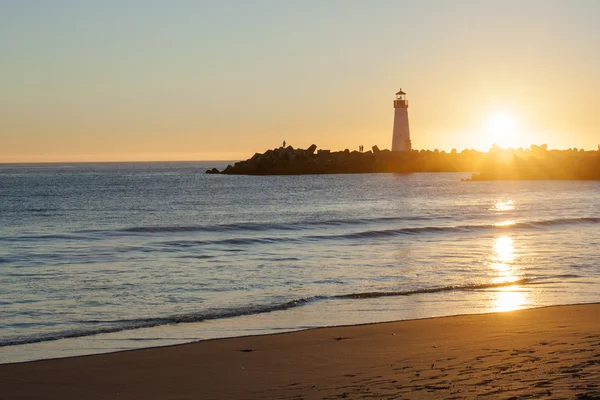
290,161
534,163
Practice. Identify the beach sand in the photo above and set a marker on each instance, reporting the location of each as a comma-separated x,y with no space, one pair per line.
551,352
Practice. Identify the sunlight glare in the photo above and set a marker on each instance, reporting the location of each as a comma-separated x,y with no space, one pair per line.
503,205
504,249
505,223
511,297
501,127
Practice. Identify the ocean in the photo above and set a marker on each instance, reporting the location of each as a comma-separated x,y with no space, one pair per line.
112,256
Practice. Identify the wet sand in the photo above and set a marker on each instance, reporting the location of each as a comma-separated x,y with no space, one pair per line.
549,352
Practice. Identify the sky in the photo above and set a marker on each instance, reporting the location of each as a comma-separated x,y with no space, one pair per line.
84,80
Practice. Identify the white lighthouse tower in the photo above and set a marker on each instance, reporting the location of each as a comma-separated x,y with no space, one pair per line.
401,137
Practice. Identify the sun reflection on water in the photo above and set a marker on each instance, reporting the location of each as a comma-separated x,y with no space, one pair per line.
505,223
501,205
506,298
504,251
509,298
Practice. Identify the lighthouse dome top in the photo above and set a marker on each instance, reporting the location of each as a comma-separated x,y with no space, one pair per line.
400,92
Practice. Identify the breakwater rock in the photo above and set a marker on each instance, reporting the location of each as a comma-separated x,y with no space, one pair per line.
290,161
533,163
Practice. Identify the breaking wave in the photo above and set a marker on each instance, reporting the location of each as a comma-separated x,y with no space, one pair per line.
96,327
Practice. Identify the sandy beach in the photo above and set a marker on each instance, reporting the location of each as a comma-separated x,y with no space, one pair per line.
549,352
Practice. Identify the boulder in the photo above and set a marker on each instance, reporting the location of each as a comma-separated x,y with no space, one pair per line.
375,149
267,156
212,171
282,154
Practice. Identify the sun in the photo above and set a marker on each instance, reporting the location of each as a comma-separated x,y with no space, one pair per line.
502,128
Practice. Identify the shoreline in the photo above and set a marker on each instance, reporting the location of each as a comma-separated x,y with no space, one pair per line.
328,361
282,332
407,306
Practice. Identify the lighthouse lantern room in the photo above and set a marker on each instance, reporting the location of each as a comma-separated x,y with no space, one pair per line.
401,134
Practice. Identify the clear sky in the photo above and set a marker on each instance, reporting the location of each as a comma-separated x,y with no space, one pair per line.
168,80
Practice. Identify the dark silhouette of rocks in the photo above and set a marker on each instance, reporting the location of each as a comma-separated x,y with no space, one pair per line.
212,171
536,162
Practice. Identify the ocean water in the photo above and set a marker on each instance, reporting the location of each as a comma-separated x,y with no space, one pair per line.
105,257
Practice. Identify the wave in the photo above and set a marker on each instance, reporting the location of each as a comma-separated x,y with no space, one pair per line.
381,233
113,326
50,237
43,210
481,286
291,226
462,228
567,221
371,233
130,324
257,226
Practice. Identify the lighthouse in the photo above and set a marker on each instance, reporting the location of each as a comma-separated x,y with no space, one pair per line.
401,135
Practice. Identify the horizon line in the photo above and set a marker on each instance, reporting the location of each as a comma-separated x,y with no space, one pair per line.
100,161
